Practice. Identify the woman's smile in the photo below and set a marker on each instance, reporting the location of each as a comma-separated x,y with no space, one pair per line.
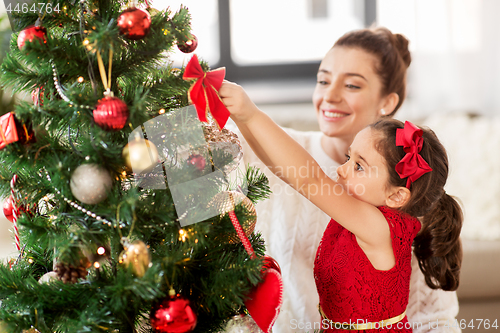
334,115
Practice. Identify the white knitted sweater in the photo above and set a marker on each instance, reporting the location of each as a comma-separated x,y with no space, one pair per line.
292,228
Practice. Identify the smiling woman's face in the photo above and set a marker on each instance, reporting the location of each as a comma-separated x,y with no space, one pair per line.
347,96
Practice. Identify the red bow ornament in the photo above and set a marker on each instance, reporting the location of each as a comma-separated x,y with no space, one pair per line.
412,166
203,93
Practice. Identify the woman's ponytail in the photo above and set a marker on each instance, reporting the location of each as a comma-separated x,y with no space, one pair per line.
438,247
401,44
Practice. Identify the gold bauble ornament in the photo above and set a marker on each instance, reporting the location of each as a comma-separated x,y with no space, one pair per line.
31,330
135,255
140,155
226,201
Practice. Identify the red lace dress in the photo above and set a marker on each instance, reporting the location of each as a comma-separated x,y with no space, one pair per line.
350,288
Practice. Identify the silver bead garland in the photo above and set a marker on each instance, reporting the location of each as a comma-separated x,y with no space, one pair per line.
80,208
60,91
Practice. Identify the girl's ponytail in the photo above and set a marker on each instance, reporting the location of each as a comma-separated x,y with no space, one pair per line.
438,247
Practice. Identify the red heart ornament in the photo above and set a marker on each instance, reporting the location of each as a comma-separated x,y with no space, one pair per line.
265,300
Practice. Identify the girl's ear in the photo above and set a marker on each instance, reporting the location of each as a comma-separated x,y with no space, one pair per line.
390,102
398,198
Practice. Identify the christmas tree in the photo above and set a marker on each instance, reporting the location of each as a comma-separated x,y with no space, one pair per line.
124,213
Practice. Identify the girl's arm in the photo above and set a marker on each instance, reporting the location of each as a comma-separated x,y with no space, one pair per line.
292,163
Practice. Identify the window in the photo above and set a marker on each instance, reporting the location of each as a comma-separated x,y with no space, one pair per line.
262,39
289,31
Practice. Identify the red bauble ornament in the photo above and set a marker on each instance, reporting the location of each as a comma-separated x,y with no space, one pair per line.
270,262
8,208
188,46
29,34
111,113
198,161
173,315
134,23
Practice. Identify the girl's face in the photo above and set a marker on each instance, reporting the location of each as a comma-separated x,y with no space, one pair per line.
347,96
364,175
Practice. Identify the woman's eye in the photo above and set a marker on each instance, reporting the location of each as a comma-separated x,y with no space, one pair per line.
358,167
351,86
323,83
347,157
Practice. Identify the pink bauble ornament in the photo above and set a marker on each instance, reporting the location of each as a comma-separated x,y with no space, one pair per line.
173,315
134,23
111,113
188,46
31,33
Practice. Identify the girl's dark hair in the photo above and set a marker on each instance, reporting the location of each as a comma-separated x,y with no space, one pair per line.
437,246
392,53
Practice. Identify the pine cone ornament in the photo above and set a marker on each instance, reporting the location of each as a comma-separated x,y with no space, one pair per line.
70,274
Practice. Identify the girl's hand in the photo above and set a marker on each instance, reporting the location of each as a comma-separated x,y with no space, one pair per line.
237,102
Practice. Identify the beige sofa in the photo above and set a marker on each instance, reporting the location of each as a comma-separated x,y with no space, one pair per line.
473,145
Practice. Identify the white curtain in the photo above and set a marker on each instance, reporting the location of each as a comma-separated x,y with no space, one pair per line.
455,46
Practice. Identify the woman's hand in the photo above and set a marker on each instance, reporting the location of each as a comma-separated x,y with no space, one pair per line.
237,102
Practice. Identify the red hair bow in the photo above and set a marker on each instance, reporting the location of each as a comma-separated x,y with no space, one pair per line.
203,93
412,166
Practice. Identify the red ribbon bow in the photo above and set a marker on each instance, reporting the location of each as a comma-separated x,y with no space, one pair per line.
412,166
203,93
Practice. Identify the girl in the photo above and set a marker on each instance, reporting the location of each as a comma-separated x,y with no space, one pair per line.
360,80
393,174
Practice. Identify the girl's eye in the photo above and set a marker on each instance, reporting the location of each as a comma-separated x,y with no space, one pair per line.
323,83
351,86
347,157
358,167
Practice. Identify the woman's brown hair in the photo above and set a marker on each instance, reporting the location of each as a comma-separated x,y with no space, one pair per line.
437,246
392,53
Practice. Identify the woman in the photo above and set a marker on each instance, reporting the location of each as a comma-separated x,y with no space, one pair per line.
361,79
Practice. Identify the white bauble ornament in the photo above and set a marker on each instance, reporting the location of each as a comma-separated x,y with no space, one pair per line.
49,277
90,183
